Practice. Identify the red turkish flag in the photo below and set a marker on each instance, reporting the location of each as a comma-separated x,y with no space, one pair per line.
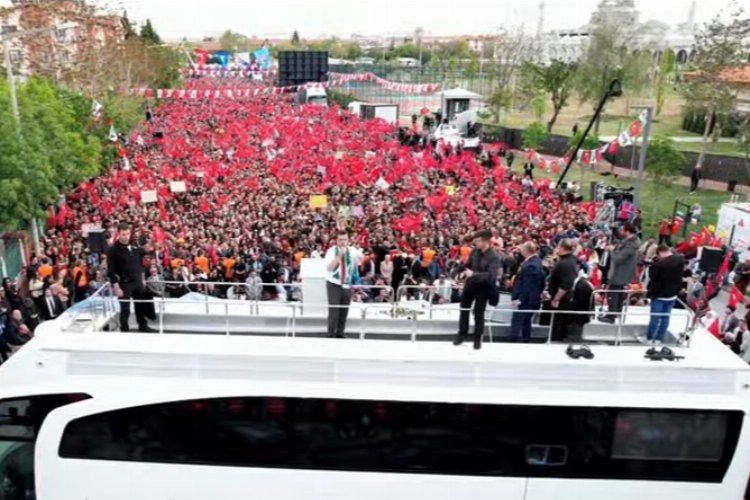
586,157
635,128
532,154
555,167
614,146
542,164
735,297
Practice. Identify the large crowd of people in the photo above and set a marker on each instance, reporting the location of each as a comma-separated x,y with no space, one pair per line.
245,189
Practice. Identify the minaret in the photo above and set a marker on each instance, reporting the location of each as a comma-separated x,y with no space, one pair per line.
691,14
540,22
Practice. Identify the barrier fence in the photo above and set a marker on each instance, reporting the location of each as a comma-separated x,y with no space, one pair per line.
102,307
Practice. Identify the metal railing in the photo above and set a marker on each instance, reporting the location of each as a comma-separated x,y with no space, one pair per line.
103,305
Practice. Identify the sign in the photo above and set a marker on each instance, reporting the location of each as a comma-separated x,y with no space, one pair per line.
148,196
177,186
87,228
318,201
382,184
345,211
263,58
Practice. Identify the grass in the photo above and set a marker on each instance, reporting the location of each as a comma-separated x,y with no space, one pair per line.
657,202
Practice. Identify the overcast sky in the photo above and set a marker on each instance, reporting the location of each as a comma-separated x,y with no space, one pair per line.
174,19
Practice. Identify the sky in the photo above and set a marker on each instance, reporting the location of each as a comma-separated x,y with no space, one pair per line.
174,19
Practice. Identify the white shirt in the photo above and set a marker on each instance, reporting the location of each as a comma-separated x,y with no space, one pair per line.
335,276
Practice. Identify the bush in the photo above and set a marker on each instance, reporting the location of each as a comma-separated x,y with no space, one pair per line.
534,136
343,99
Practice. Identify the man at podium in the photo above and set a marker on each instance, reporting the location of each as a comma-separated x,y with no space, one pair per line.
341,264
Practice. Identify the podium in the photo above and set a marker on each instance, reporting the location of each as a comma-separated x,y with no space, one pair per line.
314,296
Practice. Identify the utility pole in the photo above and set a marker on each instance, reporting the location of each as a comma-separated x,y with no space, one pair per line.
644,152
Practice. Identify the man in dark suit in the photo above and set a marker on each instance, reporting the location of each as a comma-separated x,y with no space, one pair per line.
53,306
481,285
527,292
128,278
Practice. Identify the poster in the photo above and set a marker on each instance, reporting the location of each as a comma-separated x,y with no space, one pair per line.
148,196
318,201
263,58
177,187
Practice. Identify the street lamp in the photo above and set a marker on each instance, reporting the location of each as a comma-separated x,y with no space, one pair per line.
6,38
614,90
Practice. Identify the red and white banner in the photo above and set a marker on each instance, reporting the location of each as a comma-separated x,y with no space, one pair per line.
338,81
222,73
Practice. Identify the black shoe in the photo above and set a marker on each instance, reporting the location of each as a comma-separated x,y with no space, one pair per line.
477,343
459,339
579,352
146,329
606,319
340,336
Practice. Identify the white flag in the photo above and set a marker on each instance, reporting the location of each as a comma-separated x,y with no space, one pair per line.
98,108
125,163
382,184
112,133
625,139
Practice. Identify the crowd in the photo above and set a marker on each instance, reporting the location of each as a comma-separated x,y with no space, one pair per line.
234,212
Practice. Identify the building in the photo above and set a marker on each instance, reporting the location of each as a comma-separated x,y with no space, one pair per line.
652,36
72,26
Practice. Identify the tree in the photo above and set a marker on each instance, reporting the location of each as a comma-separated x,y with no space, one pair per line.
149,35
664,78
556,79
295,38
510,49
610,55
664,163
48,155
718,49
234,42
472,71
499,100
534,136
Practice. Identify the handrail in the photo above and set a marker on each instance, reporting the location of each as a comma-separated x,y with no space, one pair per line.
292,321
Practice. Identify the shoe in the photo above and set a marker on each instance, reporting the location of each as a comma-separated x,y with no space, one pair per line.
582,351
146,329
459,339
477,344
642,340
340,336
606,319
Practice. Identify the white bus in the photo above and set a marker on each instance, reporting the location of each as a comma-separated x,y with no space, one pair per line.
113,416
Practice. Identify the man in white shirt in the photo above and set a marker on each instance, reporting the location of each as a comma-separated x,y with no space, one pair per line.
341,263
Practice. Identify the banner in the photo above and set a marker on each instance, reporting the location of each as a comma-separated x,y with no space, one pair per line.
318,201
223,57
263,58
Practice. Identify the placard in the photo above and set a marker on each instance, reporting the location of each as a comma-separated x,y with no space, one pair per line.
177,186
318,201
148,196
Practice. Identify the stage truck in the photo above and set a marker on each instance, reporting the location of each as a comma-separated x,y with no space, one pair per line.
249,400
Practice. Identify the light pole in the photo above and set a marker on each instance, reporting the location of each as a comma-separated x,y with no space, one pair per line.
614,90
7,37
644,152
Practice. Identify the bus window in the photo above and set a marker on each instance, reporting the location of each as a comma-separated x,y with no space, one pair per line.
20,421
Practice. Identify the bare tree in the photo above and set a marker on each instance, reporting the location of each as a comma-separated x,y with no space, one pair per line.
507,51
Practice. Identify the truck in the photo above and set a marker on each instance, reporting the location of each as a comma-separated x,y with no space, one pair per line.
370,111
313,95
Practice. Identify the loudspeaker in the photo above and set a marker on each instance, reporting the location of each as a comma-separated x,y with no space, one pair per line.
97,242
299,67
711,260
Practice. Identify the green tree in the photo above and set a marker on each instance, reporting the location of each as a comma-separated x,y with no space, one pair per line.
149,35
719,48
609,55
534,136
556,79
664,78
500,99
295,38
664,163
472,70
234,42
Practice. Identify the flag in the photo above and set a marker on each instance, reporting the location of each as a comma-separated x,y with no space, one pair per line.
613,147
98,108
736,297
112,133
586,157
625,139
635,128
532,154
724,269
382,184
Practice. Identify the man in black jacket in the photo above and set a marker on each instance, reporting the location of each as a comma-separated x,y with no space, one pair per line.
480,287
128,278
663,287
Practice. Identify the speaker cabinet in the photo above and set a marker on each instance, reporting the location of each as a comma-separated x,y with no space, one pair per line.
711,260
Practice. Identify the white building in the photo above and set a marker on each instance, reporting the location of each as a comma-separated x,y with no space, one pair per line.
652,36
